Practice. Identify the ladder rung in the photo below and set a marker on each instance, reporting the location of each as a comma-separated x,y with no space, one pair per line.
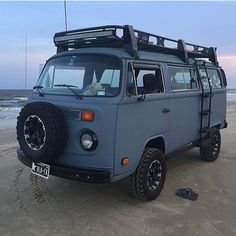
207,95
204,130
206,112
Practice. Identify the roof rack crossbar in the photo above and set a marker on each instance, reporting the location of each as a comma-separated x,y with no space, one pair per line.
132,40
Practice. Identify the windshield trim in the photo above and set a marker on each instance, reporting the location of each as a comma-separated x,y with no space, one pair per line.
84,54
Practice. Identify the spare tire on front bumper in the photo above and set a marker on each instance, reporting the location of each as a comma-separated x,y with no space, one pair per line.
41,131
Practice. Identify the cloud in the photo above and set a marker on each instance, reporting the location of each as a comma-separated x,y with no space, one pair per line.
228,63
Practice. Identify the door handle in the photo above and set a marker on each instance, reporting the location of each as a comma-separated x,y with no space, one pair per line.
165,110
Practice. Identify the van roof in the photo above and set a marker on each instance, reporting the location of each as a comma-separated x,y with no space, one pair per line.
122,53
126,42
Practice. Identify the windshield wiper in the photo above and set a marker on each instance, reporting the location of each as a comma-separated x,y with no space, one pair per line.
69,86
39,89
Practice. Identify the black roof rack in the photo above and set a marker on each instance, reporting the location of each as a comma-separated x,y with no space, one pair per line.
132,40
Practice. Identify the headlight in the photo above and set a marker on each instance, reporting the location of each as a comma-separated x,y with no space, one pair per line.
89,140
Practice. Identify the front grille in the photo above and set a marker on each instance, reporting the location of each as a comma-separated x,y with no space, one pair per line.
72,114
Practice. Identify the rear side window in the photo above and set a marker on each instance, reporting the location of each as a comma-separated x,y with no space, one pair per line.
214,76
147,80
183,78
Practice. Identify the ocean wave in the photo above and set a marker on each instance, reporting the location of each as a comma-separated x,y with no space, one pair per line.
21,98
12,103
9,112
10,108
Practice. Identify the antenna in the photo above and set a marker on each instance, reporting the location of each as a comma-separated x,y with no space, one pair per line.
65,10
26,55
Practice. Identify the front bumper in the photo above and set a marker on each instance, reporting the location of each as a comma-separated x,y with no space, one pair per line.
80,174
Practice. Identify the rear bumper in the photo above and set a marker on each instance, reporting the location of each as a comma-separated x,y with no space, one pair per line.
80,174
225,124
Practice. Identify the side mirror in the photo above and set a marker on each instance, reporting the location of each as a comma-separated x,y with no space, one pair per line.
143,95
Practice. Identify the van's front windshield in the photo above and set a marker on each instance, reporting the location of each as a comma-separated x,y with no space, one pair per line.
86,75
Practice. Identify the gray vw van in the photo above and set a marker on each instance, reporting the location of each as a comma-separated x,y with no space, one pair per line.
116,102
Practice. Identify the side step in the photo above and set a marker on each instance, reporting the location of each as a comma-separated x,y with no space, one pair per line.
182,149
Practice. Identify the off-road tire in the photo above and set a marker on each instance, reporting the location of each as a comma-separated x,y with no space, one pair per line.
139,185
210,148
55,131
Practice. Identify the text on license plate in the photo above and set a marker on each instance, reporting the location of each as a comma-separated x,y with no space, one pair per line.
41,170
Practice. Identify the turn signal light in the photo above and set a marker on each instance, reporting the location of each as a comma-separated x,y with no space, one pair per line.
87,115
125,161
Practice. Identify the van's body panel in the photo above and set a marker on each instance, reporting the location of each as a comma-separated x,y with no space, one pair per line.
184,121
104,125
130,140
124,125
218,107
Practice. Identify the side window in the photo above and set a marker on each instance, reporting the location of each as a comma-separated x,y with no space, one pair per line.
214,78
149,81
177,79
183,79
190,78
140,74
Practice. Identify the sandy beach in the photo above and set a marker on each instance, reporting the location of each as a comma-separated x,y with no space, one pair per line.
32,206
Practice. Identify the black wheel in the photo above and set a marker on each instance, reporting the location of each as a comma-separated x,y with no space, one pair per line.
149,178
210,149
41,131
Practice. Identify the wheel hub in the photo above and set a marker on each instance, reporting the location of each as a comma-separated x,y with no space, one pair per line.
154,175
34,132
215,145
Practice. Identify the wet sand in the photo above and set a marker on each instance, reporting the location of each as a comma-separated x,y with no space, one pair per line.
32,206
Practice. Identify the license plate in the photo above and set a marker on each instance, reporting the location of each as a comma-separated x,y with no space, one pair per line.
41,170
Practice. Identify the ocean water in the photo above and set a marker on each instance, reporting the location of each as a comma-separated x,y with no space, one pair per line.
11,102
231,95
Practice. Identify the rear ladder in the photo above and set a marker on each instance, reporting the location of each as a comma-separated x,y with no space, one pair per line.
206,101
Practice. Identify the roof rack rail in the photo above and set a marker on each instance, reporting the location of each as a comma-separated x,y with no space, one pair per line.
132,40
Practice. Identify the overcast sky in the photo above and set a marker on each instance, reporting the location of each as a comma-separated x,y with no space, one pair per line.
209,24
